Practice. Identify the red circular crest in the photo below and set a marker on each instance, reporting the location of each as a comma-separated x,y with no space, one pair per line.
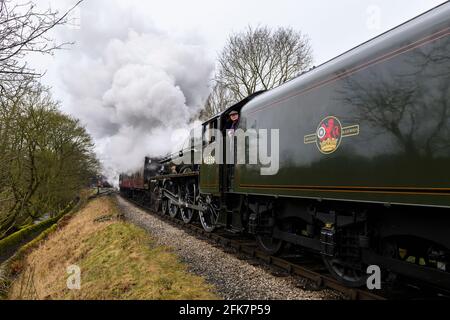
329,135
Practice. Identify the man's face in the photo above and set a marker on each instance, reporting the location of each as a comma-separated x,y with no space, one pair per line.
234,117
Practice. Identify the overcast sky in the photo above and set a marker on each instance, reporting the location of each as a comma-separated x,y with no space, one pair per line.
140,69
333,26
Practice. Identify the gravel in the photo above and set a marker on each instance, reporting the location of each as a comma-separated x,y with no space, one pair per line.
234,279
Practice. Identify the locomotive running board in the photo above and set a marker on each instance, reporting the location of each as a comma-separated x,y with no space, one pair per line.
178,175
174,199
436,277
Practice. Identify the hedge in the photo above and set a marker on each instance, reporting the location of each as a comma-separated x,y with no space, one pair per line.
10,244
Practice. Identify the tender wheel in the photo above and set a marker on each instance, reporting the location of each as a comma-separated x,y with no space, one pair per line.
209,217
269,245
349,273
189,195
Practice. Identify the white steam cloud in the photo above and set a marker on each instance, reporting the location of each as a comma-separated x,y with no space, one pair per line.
131,84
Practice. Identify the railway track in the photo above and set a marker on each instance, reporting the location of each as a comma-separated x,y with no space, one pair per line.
294,265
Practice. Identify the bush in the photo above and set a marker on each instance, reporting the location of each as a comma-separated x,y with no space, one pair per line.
10,244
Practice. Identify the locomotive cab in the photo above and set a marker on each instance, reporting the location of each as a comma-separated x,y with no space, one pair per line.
217,168
209,168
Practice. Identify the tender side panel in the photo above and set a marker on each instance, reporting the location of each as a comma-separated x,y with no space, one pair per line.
386,112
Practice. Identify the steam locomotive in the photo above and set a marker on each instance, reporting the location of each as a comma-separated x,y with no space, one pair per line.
364,161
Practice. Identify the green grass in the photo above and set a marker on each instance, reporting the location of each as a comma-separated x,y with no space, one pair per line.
118,260
123,263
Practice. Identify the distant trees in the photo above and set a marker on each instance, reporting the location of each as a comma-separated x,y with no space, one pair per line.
46,157
257,59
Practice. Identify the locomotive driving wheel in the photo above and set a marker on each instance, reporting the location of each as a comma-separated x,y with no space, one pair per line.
210,215
173,207
189,196
173,210
157,199
165,206
165,202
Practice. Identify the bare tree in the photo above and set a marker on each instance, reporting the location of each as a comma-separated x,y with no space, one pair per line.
46,157
23,30
218,100
261,59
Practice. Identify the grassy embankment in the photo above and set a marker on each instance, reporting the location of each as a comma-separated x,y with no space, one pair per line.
117,260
